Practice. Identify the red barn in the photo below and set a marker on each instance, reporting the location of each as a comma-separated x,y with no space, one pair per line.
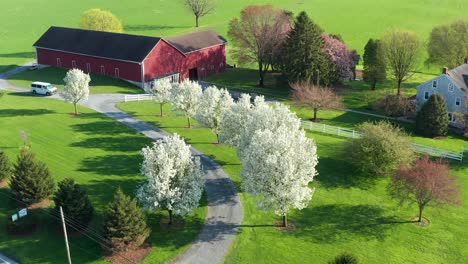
137,59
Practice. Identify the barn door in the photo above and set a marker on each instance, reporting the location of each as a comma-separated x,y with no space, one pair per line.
193,74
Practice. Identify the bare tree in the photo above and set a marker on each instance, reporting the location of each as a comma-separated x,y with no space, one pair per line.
425,182
256,36
402,51
307,94
200,8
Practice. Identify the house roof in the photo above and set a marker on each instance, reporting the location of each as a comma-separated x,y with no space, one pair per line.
459,76
98,43
196,41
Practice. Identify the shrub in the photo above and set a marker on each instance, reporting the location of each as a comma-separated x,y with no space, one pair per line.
396,106
74,201
31,179
124,224
380,149
100,20
432,119
345,258
5,166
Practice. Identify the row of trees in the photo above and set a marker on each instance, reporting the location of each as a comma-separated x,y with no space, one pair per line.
299,49
384,150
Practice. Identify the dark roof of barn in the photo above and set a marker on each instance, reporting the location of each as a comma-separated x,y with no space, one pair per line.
98,43
196,41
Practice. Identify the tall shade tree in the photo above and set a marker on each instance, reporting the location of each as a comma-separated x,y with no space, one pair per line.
213,105
256,36
161,91
306,94
200,8
432,119
5,166
76,87
74,201
379,150
402,52
304,51
277,168
423,183
31,179
375,70
340,58
100,20
185,97
174,180
124,225
448,44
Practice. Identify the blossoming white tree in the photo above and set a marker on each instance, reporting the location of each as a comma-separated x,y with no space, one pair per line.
174,180
185,97
161,91
76,87
236,117
213,105
277,168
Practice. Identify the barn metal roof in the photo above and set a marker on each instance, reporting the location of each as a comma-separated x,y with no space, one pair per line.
196,41
116,46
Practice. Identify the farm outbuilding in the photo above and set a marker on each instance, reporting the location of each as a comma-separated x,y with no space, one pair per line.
137,59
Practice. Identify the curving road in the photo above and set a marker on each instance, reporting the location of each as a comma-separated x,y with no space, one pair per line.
224,207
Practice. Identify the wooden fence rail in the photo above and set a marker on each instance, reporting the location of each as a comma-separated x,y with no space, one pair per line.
138,97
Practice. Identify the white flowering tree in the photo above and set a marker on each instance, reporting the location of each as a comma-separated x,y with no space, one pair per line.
213,105
174,180
76,87
161,91
277,168
185,97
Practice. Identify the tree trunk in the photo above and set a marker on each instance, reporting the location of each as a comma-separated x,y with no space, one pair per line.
196,21
76,112
399,87
315,114
217,138
188,121
161,109
170,217
260,73
285,220
421,208
374,83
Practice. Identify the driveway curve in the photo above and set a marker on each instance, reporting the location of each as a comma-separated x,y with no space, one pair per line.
224,214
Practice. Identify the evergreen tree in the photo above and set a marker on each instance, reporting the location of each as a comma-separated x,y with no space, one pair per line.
306,59
432,119
124,224
374,63
5,166
31,179
74,201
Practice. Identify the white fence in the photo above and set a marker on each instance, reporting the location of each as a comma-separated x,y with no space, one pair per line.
350,133
138,97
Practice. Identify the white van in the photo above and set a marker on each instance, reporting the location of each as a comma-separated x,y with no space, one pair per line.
43,88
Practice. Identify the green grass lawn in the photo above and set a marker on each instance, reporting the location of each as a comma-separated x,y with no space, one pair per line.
356,21
347,212
101,155
99,84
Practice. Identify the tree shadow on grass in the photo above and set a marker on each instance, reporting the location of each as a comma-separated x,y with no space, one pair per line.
152,27
121,143
24,112
338,222
18,55
121,165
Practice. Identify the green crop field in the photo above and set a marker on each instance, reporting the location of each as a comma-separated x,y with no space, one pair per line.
347,212
101,155
23,21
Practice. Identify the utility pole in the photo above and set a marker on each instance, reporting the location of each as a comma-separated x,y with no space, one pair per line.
65,234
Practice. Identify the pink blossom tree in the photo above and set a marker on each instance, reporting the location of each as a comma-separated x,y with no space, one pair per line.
340,56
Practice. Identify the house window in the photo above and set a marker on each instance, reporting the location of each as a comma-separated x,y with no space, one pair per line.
59,62
434,84
450,87
73,64
117,72
88,67
458,101
426,95
103,70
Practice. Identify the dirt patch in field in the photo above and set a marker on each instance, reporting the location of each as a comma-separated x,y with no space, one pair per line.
424,221
4,183
291,227
133,255
176,223
42,204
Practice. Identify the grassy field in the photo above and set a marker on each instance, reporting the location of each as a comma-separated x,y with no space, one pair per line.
99,84
356,21
347,212
100,154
